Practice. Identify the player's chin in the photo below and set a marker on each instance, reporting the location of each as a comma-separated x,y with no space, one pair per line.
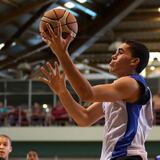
110,69
2,157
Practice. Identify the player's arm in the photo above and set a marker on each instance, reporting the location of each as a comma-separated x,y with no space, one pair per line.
124,88
59,46
82,116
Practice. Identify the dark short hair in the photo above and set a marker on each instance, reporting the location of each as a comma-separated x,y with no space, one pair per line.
140,51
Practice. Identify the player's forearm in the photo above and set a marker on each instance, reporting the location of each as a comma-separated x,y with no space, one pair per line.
81,85
75,110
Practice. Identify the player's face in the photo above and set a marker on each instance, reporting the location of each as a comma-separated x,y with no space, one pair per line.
120,64
5,147
32,156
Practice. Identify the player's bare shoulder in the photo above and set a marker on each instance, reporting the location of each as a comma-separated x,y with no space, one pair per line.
126,81
129,87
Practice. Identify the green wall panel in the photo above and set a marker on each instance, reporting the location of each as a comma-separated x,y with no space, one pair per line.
153,148
70,149
61,149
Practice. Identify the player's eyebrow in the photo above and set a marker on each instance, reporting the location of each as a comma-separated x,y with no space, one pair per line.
121,49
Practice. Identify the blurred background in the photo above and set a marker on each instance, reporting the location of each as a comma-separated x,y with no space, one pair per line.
29,112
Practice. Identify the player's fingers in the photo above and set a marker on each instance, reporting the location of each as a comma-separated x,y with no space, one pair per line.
45,36
59,29
69,38
57,68
44,80
44,72
45,40
50,30
51,70
63,76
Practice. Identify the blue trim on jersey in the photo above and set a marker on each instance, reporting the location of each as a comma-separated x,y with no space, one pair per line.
133,111
145,96
139,78
125,141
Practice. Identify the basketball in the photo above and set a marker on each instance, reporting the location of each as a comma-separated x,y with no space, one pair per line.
67,20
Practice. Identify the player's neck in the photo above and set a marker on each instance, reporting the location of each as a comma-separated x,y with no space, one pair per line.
127,74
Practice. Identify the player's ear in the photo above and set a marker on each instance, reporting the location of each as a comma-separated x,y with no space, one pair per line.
135,61
10,149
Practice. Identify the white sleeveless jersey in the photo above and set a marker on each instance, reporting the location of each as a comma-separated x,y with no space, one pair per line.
127,125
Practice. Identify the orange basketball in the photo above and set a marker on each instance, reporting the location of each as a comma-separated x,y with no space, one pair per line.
67,20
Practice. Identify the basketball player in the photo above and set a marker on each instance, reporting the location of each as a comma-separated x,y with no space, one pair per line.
32,155
5,147
126,103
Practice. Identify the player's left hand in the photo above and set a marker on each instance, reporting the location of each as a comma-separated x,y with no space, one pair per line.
53,78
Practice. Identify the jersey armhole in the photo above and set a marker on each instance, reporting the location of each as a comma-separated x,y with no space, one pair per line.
145,93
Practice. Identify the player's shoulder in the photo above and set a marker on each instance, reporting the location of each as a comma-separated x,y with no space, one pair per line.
125,79
126,82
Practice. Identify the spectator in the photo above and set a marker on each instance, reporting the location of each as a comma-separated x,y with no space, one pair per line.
32,155
156,107
5,147
3,113
13,116
156,101
37,115
17,116
59,116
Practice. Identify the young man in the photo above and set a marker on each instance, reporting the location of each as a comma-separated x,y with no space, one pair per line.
5,147
32,155
126,103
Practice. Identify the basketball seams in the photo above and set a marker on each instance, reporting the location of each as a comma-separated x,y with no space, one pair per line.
55,14
45,21
56,20
70,27
59,17
50,18
67,16
68,21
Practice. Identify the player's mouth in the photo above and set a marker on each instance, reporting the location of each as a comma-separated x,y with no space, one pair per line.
2,152
112,63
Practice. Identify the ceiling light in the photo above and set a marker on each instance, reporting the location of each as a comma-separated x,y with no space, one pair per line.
81,1
72,12
152,68
60,7
84,9
45,106
69,5
154,55
13,44
1,45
